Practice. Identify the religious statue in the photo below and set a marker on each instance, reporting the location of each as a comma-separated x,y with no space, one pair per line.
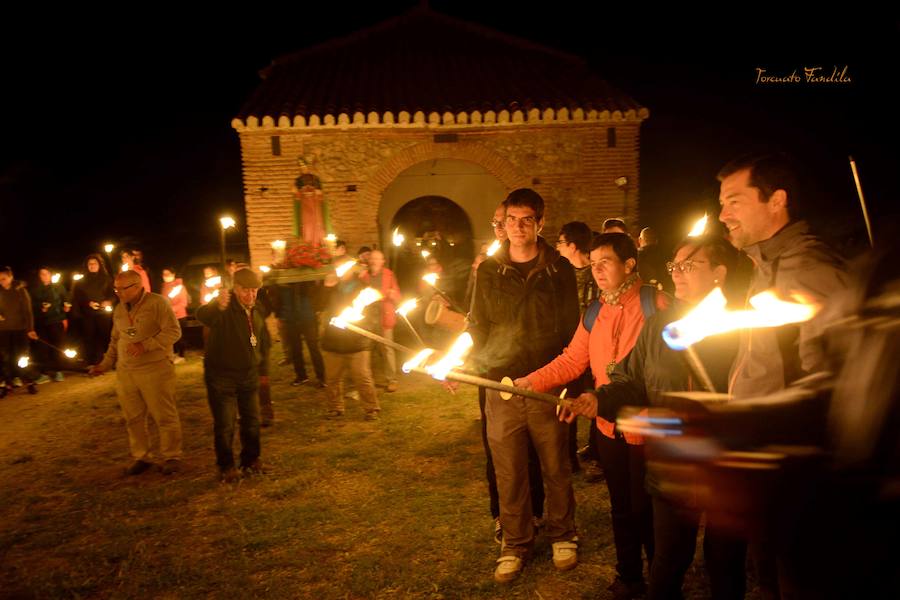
311,219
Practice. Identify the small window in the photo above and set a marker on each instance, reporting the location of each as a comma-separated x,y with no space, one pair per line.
276,145
351,187
611,137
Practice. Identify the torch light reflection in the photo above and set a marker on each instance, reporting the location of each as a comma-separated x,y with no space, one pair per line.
453,358
699,227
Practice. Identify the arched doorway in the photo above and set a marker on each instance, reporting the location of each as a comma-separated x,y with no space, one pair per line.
435,229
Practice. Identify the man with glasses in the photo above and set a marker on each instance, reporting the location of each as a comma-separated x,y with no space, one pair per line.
525,308
144,330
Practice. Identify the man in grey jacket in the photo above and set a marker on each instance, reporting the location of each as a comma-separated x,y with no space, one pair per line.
760,207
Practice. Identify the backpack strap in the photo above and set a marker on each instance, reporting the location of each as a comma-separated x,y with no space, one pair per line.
648,300
590,314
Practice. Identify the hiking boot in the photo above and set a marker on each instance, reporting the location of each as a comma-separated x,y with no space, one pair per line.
508,568
498,531
138,467
565,555
58,376
622,590
171,466
334,414
229,475
391,387
593,473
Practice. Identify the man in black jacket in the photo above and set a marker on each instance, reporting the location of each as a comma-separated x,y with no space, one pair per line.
238,342
524,311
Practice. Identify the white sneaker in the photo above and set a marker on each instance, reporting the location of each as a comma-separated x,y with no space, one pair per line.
565,555
17,382
178,360
508,568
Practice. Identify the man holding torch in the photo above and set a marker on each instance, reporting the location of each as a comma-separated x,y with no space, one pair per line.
524,310
383,279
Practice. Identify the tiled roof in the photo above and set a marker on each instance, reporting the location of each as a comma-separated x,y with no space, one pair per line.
434,64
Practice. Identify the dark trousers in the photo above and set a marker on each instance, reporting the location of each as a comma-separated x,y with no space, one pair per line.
309,331
97,327
675,534
13,344
632,512
230,396
179,346
535,479
49,358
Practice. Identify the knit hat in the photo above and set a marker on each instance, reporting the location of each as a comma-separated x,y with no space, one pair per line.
247,278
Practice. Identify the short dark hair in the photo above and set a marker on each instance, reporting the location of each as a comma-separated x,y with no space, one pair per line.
578,233
613,222
7,270
720,251
340,244
621,243
769,172
363,249
528,198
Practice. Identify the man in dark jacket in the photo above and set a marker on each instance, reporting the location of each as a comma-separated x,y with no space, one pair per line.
524,311
16,327
238,342
50,305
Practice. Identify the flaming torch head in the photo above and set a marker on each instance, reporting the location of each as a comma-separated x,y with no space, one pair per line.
492,249
398,238
417,360
70,353
453,358
227,222
354,313
699,227
279,245
213,281
406,307
265,268
210,296
342,269
331,238
23,362
108,248
77,277
108,308
175,291
430,279
55,278
425,253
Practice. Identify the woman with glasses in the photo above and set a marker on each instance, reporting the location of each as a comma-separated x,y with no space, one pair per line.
651,369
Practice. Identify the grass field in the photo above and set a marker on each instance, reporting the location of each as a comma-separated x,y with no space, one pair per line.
396,508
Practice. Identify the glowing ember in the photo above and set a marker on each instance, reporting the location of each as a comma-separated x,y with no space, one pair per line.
710,317
425,253
265,268
430,278
227,222
699,227
108,248
77,277
492,249
175,291
416,361
213,281
56,277
70,353
210,296
23,362
453,358
406,307
398,238
108,308
342,270
354,312
279,245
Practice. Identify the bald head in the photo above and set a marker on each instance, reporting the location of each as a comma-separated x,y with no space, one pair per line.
126,277
128,286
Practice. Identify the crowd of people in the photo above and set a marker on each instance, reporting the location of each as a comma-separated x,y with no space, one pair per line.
584,312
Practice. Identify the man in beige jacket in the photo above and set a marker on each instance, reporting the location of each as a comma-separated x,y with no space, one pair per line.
140,348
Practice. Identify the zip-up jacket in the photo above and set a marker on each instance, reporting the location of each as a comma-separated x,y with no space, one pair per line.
228,349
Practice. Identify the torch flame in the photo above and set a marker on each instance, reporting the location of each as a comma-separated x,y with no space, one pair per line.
492,249
425,253
210,296
331,238
70,353
354,312
124,267
279,245
23,362
430,278
108,248
710,317
55,278
77,276
213,281
342,270
398,237
699,227
108,308
227,222
175,291
417,360
406,307
265,268
453,358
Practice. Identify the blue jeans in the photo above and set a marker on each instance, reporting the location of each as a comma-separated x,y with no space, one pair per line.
229,396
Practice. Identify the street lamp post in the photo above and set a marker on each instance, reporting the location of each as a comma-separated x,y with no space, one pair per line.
226,223
622,184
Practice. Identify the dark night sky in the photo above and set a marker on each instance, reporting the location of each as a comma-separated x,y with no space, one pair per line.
122,131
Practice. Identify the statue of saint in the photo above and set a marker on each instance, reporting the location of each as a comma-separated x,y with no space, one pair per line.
311,219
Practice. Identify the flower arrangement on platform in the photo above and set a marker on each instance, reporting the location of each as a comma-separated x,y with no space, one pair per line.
305,254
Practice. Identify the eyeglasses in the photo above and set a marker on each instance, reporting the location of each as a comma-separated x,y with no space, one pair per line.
525,221
496,224
118,290
561,241
602,263
685,266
